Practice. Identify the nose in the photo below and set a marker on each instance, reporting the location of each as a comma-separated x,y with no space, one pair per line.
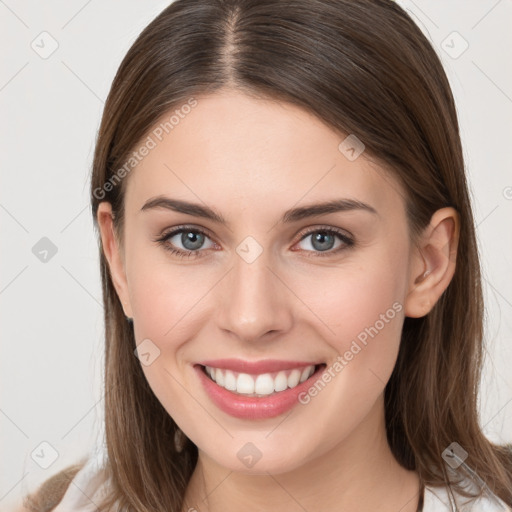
253,302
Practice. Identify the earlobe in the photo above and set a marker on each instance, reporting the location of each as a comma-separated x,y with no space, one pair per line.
113,255
433,263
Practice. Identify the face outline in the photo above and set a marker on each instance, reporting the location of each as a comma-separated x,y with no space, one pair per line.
271,157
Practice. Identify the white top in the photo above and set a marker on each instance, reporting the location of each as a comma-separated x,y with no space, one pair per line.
87,487
438,499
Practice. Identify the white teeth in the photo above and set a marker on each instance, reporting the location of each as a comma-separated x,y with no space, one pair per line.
293,379
244,383
259,385
281,382
230,381
305,374
264,384
219,377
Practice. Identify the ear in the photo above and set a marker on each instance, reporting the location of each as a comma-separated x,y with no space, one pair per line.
114,255
433,262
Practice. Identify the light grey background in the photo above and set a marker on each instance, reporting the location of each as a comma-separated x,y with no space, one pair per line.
50,108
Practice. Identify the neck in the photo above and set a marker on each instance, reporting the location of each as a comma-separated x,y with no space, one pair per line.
358,474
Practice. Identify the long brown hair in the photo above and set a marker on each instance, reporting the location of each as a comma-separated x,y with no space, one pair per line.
364,68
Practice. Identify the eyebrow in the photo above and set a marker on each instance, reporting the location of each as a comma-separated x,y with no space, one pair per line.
292,215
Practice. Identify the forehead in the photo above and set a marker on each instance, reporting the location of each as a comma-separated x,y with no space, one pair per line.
234,151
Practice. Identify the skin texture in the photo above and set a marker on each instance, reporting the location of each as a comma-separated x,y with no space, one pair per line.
251,160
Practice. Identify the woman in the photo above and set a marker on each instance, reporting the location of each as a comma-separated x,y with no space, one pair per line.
291,283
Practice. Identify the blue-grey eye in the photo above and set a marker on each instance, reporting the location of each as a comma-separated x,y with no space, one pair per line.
191,240
323,240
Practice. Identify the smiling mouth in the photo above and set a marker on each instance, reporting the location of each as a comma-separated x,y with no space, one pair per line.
264,384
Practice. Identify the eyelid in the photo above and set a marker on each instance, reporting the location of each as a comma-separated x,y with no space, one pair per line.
184,227
318,228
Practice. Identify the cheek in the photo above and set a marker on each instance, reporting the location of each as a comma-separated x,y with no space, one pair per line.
363,308
168,303
359,299
165,294
361,302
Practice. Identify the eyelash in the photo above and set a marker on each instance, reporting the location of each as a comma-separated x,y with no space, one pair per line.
163,241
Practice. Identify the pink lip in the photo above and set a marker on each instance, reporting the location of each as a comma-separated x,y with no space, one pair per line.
254,408
256,367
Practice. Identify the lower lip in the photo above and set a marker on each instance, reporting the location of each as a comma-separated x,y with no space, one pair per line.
254,408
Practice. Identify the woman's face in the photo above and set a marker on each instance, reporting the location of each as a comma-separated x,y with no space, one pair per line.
274,281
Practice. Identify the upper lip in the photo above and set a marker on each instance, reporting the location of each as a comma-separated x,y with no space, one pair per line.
256,367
